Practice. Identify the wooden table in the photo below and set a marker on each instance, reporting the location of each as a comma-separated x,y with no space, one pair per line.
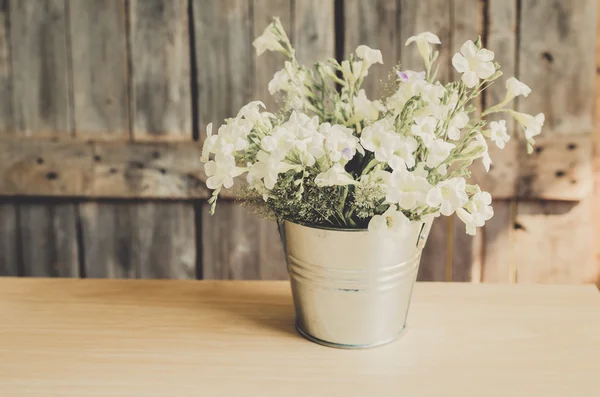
233,339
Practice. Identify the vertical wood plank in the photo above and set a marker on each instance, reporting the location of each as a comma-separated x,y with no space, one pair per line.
373,24
98,32
467,24
502,39
553,241
416,17
161,100
48,236
225,58
271,260
8,212
420,16
236,244
164,238
596,159
314,30
107,230
5,71
498,256
40,93
9,256
268,63
39,67
100,78
230,239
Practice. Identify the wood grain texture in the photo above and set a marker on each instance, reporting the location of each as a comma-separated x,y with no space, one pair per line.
164,240
558,234
268,63
5,71
225,59
108,241
49,240
39,58
9,227
160,61
422,16
314,30
435,254
373,24
100,76
499,257
164,338
101,169
41,107
596,158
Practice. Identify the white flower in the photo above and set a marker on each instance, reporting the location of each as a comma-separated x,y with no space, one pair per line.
476,212
498,133
366,109
458,122
369,55
473,63
406,76
407,189
423,41
482,152
516,88
376,135
268,166
280,82
302,133
531,124
334,176
391,220
268,41
209,143
353,72
252,112
340,142
438,152
424,128
221,171
448,195
399,154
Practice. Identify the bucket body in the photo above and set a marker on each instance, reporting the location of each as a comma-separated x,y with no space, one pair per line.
352,288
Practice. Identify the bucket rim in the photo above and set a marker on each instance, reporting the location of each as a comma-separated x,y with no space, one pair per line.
330,228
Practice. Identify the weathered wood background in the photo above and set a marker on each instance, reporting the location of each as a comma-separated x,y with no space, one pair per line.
103,104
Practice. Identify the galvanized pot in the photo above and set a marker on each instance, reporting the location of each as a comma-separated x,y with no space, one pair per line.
352,288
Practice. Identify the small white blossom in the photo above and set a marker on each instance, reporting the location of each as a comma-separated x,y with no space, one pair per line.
424,41
458,122
221,171
532,125
268,166
340,142
515,88
400,153
476,212
424,128
280,82
438,152
353,71
391,220
473,63
335,176
369,55
375,136
498,133
268,41
448,195
407,189
366,109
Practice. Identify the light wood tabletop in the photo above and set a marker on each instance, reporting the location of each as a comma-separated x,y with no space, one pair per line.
82,338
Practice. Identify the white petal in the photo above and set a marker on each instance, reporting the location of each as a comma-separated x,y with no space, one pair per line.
468,49
460,63
377,223
485,54
470,79
485,70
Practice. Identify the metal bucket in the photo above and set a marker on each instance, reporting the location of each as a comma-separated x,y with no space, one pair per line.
352,288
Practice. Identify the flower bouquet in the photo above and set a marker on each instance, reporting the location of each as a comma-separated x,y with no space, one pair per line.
350,170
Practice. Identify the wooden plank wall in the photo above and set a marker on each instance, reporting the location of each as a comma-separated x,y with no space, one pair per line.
106,103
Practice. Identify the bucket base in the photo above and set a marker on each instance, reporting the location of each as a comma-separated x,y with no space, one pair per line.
343,346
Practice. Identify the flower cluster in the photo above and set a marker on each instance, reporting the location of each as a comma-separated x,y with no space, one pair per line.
330,156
